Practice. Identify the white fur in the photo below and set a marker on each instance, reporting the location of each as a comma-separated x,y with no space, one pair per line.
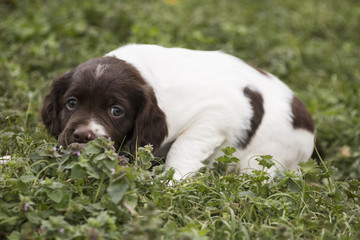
97,129
201,93
100,70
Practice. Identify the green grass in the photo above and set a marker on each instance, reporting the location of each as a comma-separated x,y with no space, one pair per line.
47,193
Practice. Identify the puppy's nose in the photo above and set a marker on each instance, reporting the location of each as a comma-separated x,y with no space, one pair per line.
83,135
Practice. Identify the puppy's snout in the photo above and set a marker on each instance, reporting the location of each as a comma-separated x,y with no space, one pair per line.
83,135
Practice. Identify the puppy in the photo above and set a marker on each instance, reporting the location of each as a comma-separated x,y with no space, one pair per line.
188,104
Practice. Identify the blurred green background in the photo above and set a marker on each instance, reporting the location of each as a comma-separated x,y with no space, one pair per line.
312,45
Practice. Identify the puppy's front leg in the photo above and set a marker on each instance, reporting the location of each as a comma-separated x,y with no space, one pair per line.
191,148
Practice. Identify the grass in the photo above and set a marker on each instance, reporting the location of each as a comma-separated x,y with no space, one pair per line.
52,193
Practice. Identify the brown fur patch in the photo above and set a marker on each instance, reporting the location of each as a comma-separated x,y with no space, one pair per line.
257,104
259,70
301,116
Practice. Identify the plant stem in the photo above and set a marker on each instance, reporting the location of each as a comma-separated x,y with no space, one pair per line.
101,183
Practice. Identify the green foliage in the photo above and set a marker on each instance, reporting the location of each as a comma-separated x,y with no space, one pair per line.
222,163
92,193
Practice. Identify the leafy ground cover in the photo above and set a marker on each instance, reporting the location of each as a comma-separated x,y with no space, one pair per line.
51,193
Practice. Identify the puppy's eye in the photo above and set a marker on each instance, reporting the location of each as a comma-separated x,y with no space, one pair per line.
116,111
71,103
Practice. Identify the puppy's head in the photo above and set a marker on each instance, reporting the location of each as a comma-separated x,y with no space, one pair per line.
104,97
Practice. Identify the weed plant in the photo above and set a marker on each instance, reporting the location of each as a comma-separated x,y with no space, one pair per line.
97,194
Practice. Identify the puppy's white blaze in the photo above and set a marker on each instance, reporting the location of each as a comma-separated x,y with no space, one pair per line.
100,69
97,129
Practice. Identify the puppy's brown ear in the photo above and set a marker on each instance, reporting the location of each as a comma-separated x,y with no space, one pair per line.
52,106
150,123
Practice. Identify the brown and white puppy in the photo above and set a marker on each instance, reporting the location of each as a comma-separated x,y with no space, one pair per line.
188,104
